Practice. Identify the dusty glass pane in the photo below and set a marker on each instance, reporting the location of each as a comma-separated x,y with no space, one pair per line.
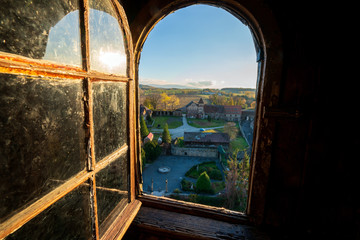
110,117
39,29
67,219
112,191
42,137
107,51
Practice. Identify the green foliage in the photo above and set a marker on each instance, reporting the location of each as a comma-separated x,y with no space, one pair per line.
152,150
149,119
180,142
237,178
186,185
143,158
215,174
143,128
231,129
166,134
176,190
209,167
203,184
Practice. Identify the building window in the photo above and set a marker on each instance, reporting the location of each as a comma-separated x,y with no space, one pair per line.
66,102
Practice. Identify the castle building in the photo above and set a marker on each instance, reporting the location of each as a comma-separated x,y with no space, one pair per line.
224,112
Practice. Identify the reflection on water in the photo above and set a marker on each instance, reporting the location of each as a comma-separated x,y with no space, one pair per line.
107,51
41,30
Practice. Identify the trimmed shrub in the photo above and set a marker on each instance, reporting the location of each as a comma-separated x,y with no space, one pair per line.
215,174
166,138
203,183
186,185
143,128
176,190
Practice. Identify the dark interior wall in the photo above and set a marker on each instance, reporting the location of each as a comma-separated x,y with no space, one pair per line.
312,171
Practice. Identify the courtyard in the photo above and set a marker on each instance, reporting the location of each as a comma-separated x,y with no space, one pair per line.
178,165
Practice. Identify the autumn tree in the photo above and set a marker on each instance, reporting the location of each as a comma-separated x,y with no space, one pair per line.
231,129
236,181
154,100
174,101
231,177
147,103
165,99
243,180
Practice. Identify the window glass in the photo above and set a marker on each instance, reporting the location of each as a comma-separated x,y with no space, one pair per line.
110,117
112,191
42,137
67,219
107,51
39,29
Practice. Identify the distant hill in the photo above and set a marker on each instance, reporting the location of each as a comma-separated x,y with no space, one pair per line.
167,86
238,90
142,86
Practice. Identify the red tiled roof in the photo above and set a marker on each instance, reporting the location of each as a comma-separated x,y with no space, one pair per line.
150,136
232,109
222,109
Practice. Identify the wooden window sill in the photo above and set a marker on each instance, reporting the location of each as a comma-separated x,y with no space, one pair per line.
194,209
152,223
122,222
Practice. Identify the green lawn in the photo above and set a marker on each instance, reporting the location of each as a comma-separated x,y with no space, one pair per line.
238,143
173,122
204,123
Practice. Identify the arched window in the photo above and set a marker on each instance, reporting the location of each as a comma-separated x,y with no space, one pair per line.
66,103
205,58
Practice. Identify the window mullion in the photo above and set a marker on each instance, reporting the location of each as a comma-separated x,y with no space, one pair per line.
85,49
84,31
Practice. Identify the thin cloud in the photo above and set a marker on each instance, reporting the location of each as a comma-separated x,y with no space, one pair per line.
204,83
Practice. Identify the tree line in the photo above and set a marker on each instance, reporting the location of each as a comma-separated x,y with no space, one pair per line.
231,100
163,101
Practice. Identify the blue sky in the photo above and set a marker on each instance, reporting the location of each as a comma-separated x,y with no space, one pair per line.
199,46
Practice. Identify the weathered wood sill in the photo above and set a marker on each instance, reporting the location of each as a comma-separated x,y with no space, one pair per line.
163,218
152,223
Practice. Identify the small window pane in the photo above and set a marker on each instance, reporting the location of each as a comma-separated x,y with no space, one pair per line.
110,117
39,29
107,51
67,219
112,191
42,137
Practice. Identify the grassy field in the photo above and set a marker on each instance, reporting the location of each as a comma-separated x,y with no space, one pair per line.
238,143
173,122
204,123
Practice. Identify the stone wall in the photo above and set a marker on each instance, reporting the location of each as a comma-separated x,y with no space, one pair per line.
194,152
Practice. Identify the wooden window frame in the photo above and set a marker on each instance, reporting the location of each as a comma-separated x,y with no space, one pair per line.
19,65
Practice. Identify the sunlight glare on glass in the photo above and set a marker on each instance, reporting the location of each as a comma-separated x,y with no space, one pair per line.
107,48
111,60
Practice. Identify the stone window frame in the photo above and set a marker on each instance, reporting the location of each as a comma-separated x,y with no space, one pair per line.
19,65
267,98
